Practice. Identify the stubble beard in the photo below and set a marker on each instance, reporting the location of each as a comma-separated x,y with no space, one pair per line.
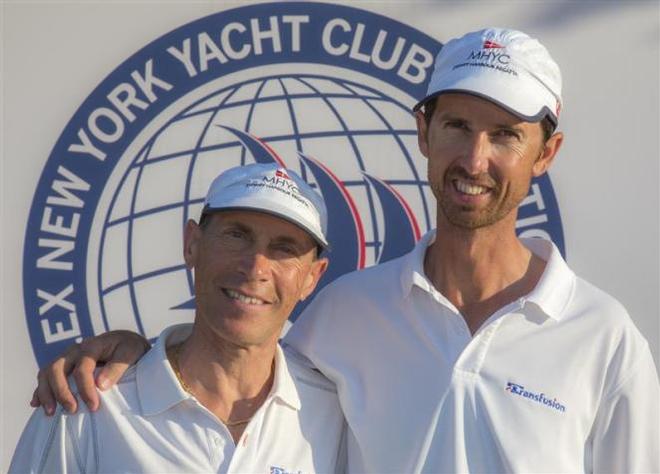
467,217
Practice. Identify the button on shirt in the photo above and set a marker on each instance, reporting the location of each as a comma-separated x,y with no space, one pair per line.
148,423
557,381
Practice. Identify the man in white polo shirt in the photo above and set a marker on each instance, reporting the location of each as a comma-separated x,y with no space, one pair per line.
220,395
479,351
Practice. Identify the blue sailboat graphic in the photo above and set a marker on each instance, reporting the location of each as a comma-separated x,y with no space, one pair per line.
260,151
401,230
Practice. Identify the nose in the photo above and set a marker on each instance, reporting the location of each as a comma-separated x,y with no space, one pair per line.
255,265
475,153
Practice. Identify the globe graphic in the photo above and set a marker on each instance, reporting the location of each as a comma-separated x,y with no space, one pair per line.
352,128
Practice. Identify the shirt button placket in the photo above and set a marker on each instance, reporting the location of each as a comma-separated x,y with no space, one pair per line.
220,449
215,448
482,343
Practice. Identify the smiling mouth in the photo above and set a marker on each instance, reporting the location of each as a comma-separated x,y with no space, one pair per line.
235,295
469,189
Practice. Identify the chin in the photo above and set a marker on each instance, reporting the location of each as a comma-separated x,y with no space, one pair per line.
243,333
470,222
470,218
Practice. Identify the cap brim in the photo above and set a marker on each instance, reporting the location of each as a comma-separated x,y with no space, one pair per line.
272,209
531,106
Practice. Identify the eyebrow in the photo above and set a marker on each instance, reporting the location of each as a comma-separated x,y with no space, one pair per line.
285,239
238,225
515,125
280,239
451,116
447,115
514,128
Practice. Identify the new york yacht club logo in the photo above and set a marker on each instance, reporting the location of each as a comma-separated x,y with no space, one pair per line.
324,89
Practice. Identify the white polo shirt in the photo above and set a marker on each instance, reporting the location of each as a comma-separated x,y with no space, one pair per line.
148,423
557,381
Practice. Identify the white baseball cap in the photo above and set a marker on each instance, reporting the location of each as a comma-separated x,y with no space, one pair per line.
504,66
272,189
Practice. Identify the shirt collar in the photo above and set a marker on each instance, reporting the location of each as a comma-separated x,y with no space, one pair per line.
555,287
412,272
283,386
552,293
158,388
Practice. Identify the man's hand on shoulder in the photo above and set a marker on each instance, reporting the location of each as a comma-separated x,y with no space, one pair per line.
117,349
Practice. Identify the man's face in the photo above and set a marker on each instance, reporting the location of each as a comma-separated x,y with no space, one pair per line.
481,159
251,269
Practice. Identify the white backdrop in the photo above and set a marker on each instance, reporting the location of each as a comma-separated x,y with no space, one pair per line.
605,179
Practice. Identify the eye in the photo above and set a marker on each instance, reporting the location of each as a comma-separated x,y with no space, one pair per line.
233,233
285,248
507,133
456,124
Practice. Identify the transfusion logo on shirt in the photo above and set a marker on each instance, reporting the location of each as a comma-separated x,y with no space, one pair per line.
517,389
280,470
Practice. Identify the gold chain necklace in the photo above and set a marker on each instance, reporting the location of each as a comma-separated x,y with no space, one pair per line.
173,353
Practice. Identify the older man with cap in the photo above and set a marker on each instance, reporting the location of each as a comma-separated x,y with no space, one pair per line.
219,396
479,351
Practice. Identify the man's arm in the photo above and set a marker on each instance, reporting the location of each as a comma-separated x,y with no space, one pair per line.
118,349
626,432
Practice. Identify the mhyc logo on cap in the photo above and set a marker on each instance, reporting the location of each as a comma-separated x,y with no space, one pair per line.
327,87
280,181
491,55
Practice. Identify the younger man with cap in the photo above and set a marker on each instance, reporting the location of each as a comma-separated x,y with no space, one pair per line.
479,351
219,396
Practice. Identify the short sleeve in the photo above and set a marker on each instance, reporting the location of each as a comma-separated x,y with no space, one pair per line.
44,446
626,432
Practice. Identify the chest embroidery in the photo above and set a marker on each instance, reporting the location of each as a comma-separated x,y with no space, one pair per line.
541,398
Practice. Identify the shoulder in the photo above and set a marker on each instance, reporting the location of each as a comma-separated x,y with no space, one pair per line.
590,296
350,305
121,396
611,332
366,281
603,309
306,377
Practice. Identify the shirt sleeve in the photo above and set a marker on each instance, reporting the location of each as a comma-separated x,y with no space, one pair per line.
46,445
625,434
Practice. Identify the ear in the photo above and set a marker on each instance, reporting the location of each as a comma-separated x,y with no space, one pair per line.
422,136
548,154
191,237
316,271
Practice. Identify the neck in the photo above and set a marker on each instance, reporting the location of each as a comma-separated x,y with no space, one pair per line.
230,381
481,270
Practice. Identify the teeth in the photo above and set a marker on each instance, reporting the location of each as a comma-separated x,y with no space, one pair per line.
471,189
235,295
